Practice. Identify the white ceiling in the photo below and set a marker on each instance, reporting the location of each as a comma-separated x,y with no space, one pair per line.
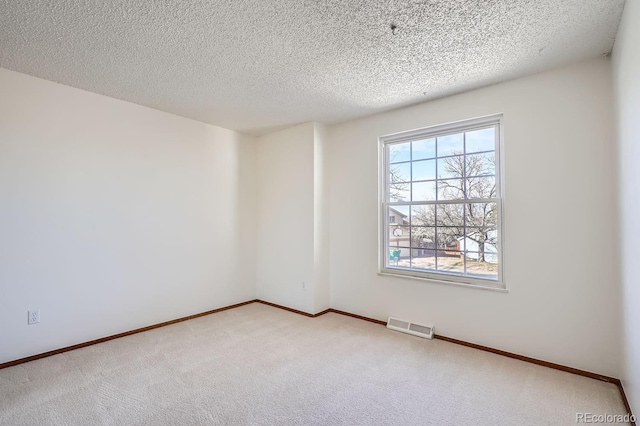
258,65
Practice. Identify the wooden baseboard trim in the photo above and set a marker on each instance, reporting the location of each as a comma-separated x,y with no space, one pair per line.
360,317
117,336
295,311
584,373
531,360
326,311
626,401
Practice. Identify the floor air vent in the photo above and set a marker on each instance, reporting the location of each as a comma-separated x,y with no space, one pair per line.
410,328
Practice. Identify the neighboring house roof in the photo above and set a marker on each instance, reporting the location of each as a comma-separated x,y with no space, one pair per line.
399,213
402,215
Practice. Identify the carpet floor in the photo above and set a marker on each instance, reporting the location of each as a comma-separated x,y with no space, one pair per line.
259,365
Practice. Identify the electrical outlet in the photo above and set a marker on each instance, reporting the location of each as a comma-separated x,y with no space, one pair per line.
34,317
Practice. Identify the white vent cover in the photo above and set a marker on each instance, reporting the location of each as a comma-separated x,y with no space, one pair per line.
403,326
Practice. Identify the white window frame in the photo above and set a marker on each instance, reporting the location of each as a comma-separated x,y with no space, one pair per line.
384,184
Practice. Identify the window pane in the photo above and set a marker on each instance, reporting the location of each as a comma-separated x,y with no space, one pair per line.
423,243
399,152
476,266
424,191
447,239
450,145
424,170
399,256
480,164
483,216
482,249
400,172
448,262
481,140
423,215
399,233
450,189
423,258
399,236
399,192
424,149
451,167
398,215
423,237
477,240
450,215
481,187
483,240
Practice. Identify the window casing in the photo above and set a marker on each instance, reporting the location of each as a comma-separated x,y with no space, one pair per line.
442,185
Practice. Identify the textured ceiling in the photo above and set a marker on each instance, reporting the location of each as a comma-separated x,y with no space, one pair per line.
257,65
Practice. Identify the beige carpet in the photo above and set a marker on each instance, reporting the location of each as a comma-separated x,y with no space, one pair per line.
262,365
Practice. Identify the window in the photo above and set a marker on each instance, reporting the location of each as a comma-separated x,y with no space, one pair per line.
442,187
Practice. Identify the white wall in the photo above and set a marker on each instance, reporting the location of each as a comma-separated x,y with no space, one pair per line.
293,218
626,72
114,216
321,220
285,237
562,302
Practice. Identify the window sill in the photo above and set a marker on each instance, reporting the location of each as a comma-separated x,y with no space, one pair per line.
498,287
